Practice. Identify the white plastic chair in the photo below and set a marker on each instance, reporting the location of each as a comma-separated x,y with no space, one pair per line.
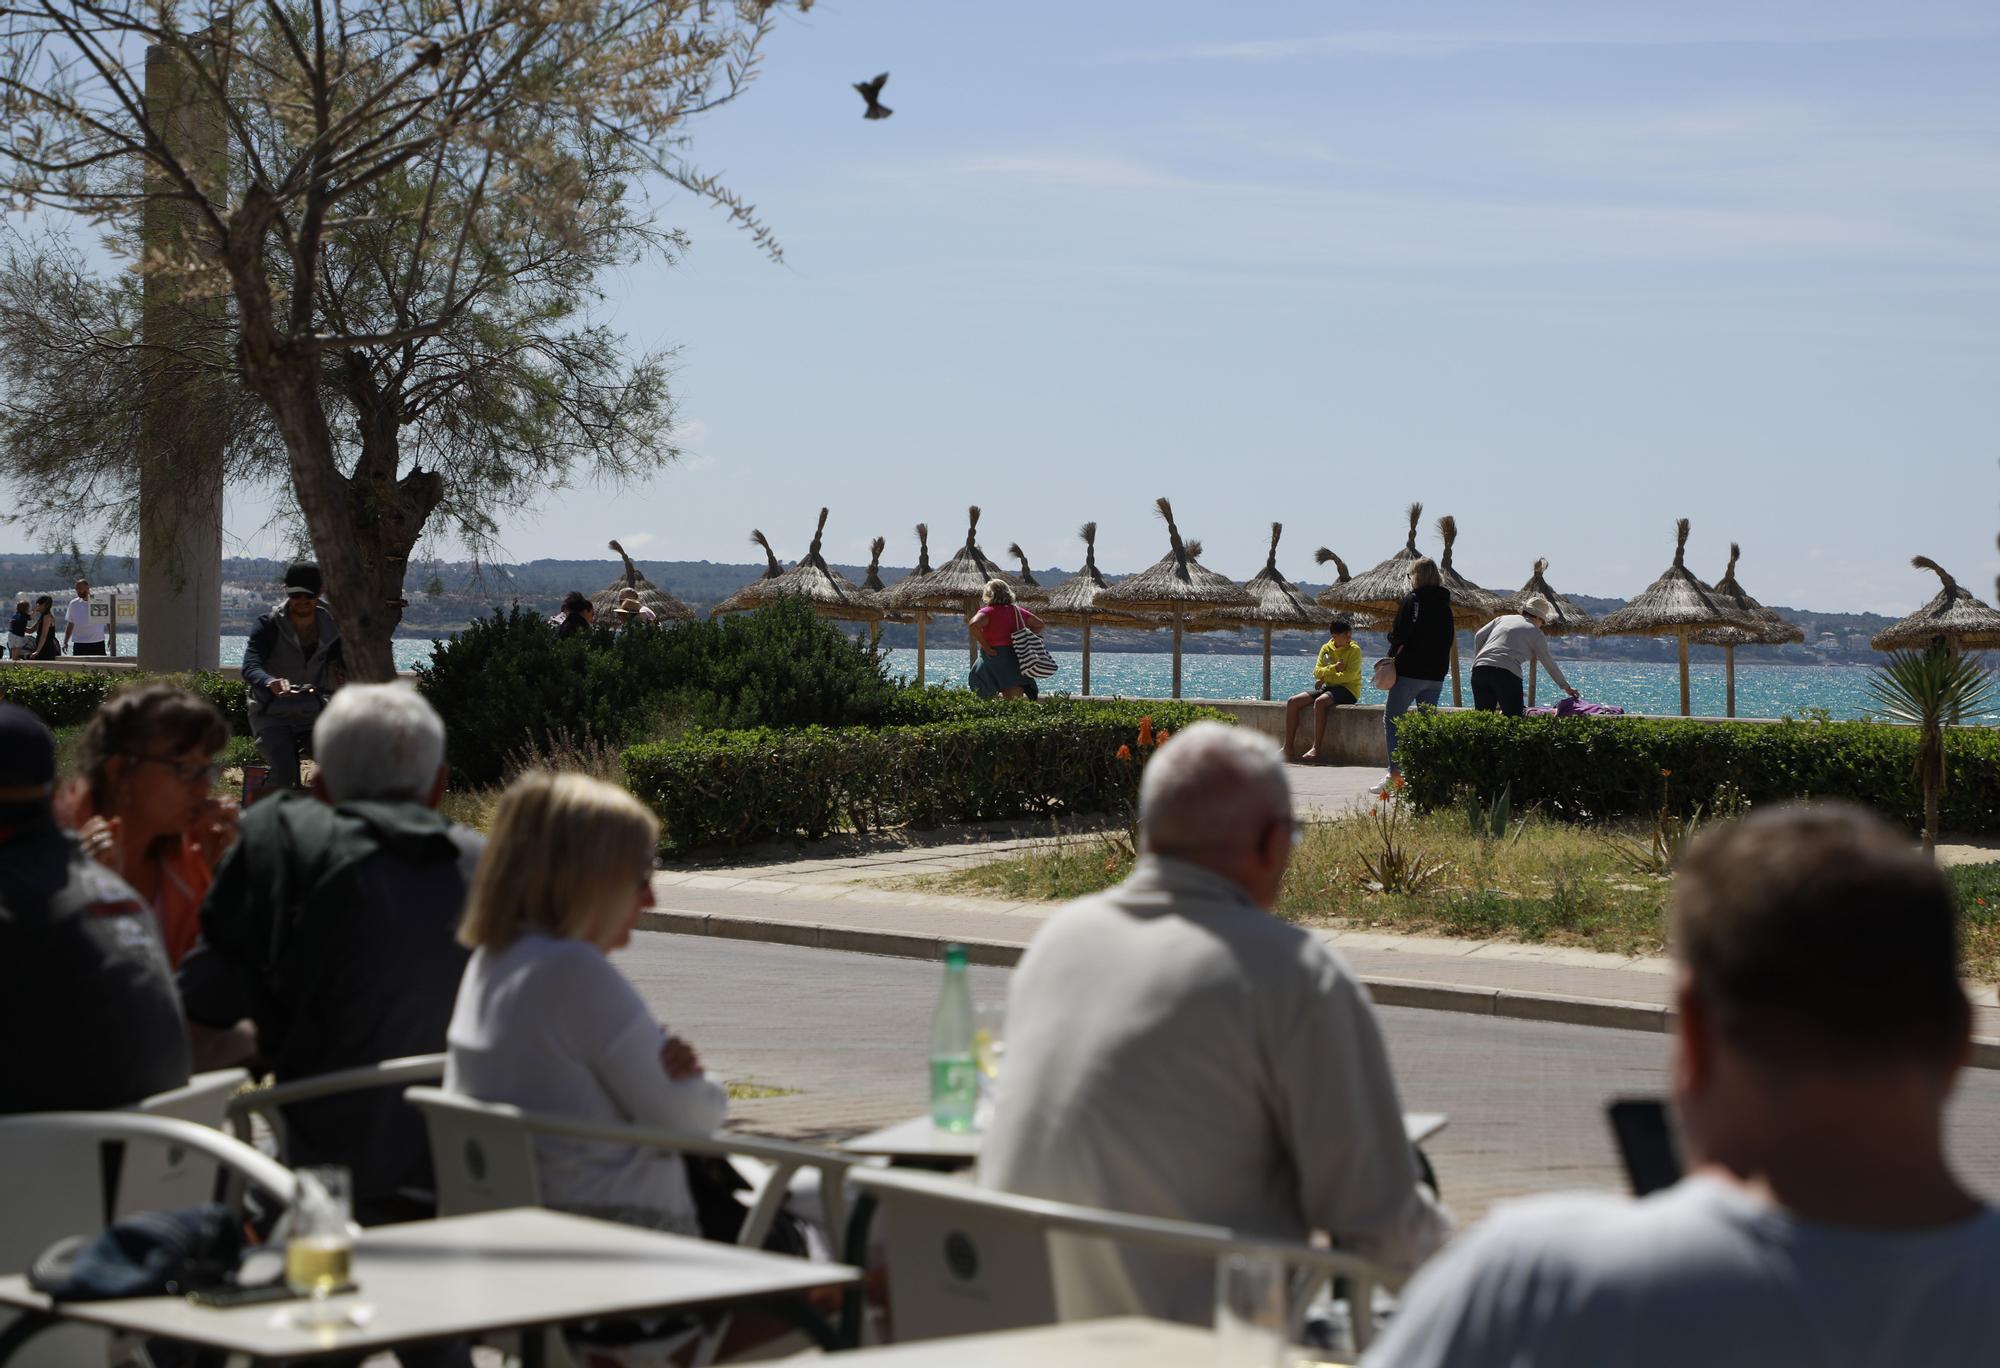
269,1103
967,1260
52,1186
162,1177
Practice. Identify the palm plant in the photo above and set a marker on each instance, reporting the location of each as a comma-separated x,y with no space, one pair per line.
1925,689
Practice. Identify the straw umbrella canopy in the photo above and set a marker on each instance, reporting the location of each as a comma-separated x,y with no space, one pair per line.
1569,619
871,583
899,599
1471,606
955,586
1275,605
1376,593
1178,587
830,593
1075,602
1027,589
1769,630
1953,616
1675,604
665,606
758,591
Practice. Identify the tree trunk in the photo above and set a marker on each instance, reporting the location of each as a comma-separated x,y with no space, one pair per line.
1930,817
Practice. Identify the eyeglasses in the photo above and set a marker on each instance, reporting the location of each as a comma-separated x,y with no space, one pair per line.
187,771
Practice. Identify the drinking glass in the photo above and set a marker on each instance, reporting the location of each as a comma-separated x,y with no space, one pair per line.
319,1255
989,1044
1250,1327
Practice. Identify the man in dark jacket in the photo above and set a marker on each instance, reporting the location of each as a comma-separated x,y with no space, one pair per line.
87,1001
332,927
292,664
1420,644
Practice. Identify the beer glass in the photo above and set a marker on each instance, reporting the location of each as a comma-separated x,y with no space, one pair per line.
319,1255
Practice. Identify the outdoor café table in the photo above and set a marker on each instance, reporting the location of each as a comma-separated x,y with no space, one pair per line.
919,1144
1123,1342
525,1269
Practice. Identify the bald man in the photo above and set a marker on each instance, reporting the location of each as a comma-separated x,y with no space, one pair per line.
1175,1050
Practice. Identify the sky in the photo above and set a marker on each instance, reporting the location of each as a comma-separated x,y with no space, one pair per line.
1564,271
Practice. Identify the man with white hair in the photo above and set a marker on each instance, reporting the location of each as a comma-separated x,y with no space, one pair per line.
332,928
1174,1050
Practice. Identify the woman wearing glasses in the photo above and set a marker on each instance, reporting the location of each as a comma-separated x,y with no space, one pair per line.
145,806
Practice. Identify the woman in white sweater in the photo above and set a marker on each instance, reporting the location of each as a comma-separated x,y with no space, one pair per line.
1506,646
545,1022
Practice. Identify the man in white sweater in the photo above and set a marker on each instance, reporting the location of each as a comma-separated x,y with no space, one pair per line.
1175,1050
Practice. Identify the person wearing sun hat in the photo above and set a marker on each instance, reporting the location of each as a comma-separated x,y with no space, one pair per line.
632,609
86,998
1502,649
291,664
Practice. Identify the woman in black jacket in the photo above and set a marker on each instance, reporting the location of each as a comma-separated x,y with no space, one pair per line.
1420,644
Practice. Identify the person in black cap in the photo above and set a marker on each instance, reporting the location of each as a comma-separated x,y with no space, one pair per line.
290,663
86,999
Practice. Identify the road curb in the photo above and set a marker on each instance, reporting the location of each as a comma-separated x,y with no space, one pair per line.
1610,1013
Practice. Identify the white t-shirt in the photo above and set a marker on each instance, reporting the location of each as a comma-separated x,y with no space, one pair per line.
83,627
550,1025
1704,1273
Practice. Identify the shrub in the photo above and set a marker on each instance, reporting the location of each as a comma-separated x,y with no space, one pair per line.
67,698
1008,760
507,686
1585,769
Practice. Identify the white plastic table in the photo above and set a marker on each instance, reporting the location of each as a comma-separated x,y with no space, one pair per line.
1123,1342
919,1143
524,1269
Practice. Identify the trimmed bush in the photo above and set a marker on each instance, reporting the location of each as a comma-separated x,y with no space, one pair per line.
1588,769
507,686
1009,760
67,698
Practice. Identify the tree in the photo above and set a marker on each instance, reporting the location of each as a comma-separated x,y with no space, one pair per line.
1924,689
401,237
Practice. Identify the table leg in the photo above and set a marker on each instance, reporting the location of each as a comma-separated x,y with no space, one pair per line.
854,1306
535,1346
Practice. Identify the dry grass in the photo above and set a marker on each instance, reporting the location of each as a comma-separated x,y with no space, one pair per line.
475,807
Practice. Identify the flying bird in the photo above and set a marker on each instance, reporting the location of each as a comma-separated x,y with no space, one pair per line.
871,91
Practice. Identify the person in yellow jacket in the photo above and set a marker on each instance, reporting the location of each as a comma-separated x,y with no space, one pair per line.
1336,680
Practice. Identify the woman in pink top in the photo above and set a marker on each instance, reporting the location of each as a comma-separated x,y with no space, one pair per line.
998,673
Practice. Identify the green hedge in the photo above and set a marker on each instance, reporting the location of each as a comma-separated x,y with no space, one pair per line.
67,698
1585,769
1008,760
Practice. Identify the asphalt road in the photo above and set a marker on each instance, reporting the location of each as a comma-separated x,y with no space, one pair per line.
843,1037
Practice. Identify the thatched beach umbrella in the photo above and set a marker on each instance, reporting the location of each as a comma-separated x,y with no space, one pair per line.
1027,589
1953,616
872,583
903,598
1376,593
1768,629
1471,606
1570,618
953,587
831,594
1178,587
758,591
1675,604
664,605
1275,605
1075,602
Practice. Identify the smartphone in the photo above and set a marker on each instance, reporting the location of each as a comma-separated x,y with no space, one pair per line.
237,1295
1646,1143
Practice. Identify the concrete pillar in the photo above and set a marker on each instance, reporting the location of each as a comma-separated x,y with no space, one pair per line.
180,462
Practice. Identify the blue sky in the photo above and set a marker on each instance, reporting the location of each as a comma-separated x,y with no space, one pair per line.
1566,271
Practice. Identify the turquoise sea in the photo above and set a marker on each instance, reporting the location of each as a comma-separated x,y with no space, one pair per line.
1642,687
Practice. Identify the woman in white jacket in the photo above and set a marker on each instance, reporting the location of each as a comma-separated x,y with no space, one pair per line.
1503,648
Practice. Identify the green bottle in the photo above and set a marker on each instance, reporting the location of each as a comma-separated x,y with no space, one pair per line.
954,1070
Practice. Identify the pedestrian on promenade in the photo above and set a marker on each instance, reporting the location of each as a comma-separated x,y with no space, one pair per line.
42,632
145,804
1819,1027
83,635
1174,1050
86,997
1336,680
329,940
1420,647
1503,648
546,1022
577,614
291,664
998,672
17,631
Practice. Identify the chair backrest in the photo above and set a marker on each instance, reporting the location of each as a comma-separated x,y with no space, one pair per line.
484,1158
160,1177
269,1103
964,1260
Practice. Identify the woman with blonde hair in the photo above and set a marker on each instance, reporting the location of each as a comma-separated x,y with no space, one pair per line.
998,673
1420,645
544,1021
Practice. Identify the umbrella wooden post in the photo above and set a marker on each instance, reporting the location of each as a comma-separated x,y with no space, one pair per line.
1177,655
1729,670
1682,637
1534,670
1457,699
1086,656
1267,662
922,620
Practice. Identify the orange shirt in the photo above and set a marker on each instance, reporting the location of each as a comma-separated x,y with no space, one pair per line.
185,876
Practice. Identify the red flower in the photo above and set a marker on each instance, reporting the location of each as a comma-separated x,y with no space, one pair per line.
1145,731
1161,738
1124,752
